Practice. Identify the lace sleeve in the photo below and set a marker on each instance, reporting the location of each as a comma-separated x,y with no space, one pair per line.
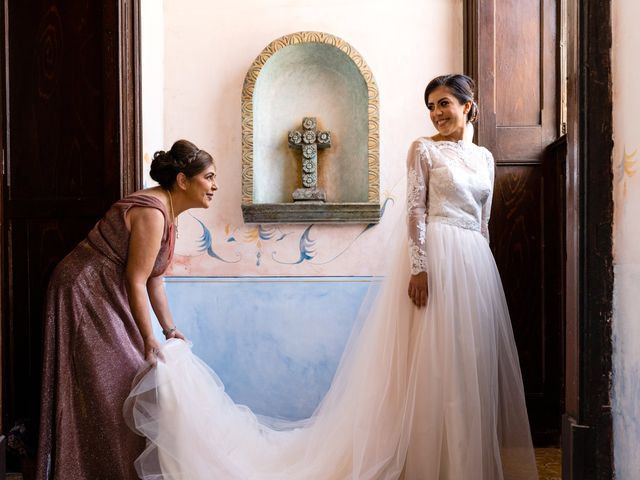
486,208
417,188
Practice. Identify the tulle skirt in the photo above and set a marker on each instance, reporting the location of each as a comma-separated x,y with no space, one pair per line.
420,394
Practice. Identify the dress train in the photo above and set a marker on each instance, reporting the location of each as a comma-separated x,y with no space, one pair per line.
420,394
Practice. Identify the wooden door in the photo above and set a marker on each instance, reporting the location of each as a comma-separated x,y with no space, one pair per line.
70,150
512,52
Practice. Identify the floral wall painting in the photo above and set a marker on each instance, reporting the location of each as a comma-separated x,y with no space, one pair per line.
627,167
274,245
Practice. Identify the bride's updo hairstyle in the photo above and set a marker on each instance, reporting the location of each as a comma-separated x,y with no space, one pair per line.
461,86
184,157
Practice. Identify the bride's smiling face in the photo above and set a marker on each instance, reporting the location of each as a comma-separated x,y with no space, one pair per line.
448,115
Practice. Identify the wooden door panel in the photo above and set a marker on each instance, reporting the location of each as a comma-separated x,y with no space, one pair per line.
518,144
56,161
512,52
71,149
56,99
515,67
518,51
515,232
36,246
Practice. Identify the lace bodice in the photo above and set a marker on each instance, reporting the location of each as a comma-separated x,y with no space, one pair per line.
447,182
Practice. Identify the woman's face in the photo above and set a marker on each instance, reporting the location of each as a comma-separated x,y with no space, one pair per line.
200,187
448,115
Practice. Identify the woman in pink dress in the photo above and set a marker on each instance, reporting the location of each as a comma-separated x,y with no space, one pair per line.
98,330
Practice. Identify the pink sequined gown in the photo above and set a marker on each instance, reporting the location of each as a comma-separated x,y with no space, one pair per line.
92,352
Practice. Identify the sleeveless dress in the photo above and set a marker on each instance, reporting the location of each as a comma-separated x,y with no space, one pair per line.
92,352
429,393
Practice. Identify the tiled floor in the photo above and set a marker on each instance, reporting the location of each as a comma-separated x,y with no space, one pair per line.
549,462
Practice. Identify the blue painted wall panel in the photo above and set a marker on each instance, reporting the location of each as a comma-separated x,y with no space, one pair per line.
274,342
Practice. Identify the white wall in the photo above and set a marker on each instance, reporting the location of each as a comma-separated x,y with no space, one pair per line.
626,316
208,48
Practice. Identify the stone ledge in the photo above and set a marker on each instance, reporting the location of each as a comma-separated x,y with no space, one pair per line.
311,212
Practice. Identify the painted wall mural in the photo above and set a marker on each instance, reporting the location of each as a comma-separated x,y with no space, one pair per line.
269,235
268,249
627,167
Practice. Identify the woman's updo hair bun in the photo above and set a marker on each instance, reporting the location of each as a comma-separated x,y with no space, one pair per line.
462,87
184,157
163,170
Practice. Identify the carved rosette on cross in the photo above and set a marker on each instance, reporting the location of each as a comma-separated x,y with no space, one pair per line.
309,141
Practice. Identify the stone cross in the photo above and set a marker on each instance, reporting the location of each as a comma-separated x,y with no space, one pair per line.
309,141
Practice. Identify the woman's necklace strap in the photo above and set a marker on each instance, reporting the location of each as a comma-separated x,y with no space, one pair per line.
174,219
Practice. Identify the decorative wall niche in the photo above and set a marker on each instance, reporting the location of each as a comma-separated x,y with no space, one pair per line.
310,74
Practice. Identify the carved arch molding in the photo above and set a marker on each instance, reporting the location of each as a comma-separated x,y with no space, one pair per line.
360,167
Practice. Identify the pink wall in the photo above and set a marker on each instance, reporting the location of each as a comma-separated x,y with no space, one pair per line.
208,47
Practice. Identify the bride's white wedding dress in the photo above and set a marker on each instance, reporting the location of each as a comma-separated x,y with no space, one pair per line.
420,394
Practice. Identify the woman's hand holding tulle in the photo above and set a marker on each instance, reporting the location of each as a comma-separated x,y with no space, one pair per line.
418,290
152,350
175,333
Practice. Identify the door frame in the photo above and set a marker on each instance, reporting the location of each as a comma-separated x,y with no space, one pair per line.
4,115
587,423
130,100
587,439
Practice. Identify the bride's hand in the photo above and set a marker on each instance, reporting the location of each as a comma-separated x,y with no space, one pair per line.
418,290
152,350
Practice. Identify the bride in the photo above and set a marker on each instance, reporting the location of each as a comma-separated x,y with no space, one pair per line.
429,386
